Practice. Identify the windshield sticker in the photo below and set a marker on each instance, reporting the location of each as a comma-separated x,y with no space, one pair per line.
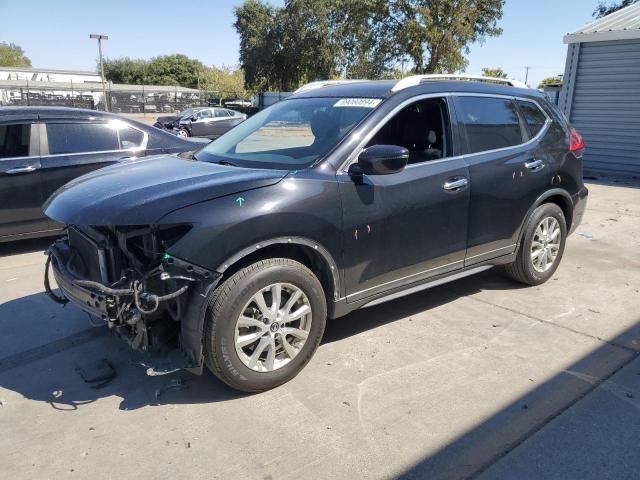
358,102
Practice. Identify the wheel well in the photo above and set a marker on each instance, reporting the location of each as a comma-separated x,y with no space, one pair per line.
565,206
309,257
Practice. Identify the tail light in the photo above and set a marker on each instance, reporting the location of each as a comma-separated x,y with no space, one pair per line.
576,142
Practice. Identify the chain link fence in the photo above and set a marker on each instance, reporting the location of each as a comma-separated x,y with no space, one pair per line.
120,98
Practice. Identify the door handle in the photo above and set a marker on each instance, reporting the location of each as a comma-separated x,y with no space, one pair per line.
455,184
27,169
534,165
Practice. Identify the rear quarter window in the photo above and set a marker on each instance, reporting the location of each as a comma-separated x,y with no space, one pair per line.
533,116
490,123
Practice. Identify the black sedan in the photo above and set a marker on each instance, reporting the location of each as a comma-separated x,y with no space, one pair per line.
210,122
42,148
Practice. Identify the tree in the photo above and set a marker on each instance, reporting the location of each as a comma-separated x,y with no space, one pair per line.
260,46
557,80
307,40
11,55
605,8
494,72
174,69
436,34
225,82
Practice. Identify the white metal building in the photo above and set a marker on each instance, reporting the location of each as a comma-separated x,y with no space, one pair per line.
601,91
47,75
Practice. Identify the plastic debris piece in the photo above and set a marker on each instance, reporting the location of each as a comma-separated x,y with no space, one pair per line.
97,373
585,235
174,385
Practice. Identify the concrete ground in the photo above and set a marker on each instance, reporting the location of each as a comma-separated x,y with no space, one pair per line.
477,378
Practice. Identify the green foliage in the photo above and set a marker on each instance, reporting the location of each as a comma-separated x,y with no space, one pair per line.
605,8
164,70
436,34
11,55
306,40
224,82
557,80
494,72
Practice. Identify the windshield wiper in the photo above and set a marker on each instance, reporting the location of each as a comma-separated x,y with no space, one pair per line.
227,163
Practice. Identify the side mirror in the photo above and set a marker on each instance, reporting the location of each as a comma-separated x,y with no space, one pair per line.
380,160
193,118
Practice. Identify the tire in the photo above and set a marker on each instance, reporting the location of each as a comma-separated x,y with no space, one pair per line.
526,268
183,132
242,367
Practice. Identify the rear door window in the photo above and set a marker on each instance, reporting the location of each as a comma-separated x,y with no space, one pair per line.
533,116
490,123
81,138
14,140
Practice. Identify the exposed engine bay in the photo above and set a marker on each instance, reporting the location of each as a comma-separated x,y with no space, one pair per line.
123,276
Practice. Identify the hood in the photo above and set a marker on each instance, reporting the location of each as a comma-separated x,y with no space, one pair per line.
168,119
140,192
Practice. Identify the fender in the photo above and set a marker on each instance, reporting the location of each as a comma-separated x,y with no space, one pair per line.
324,253
192,324
539,201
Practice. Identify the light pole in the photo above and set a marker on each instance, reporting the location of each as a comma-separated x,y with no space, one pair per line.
526,75
104,87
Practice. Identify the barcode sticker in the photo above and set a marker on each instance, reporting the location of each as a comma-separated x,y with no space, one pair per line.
358,102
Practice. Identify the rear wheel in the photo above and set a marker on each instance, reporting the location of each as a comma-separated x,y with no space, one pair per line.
264,324
542,246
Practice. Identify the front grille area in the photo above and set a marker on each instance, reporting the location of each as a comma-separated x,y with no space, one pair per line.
87,257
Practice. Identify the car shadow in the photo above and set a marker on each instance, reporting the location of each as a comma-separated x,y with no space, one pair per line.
48,373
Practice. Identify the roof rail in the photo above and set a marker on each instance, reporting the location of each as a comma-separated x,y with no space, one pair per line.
323,83
414,80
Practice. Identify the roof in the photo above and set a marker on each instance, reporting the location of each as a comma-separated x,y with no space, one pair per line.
621,25
53,111
97,86
385,88
49,70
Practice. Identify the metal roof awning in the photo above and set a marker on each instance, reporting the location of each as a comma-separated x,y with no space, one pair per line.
621,25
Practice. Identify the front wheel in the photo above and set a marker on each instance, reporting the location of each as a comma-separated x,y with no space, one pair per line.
264,324
542,246
182,132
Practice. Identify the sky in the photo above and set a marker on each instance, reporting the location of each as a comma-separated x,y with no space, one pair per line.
55,34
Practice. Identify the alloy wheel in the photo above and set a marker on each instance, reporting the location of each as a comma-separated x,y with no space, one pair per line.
545,244
273,327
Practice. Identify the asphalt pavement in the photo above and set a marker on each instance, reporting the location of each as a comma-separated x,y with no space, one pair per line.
477,378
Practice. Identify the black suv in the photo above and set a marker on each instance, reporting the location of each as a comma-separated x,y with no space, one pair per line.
42,148
344,195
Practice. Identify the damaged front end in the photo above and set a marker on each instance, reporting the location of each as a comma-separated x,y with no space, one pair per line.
123,276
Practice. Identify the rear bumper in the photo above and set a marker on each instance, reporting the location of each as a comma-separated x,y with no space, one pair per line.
579,207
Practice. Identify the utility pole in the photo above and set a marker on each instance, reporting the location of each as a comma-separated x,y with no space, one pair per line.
104,87
526,75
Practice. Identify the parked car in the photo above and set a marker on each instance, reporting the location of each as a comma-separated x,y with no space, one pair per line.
42,148
342,196
201,122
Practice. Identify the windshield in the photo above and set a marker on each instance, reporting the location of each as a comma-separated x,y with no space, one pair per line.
291,134
189,111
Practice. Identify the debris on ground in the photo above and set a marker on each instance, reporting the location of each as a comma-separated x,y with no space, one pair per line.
174,385
585,235
97,373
